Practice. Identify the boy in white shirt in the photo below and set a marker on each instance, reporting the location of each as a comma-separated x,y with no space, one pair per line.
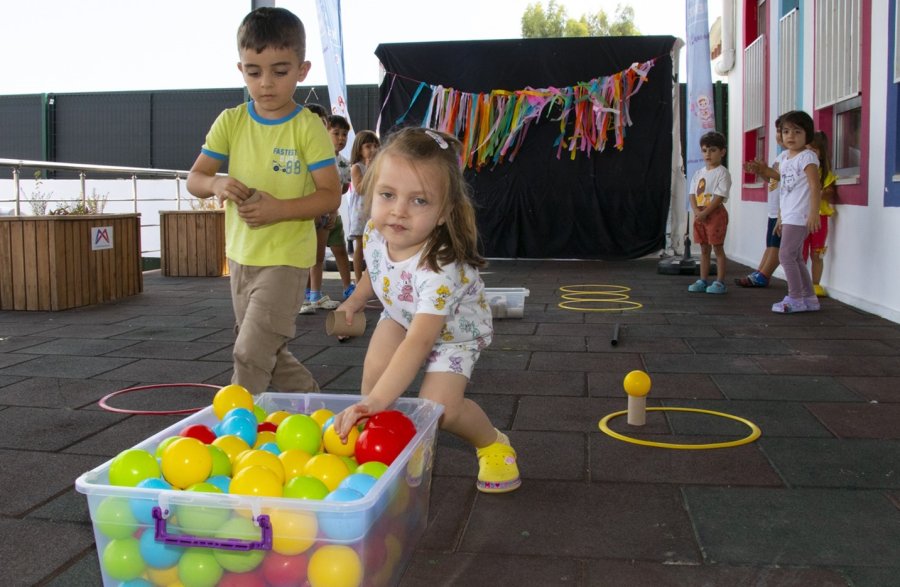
710,187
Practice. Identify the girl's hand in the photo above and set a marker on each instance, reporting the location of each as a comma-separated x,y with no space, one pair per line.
777,229
228,188
260,210
347,419
813,223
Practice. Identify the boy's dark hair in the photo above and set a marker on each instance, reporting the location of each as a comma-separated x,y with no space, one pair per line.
337,121
778,122
277,28
713,139
317,109
801,119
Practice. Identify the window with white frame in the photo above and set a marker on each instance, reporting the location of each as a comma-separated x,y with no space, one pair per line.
847,126
755,84
838,40
788,60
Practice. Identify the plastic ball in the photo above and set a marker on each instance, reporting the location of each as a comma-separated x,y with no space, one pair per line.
259,413
158,555
232,445
162,445
185,462
221,463
121,559
379,444
359,482
241,413
202,433
299,431
163,576
262,458
239,561
329,469
242,580
335,565
221,481
396,421
139,582
114,518
200,519
132,466
374,468
281,570
305,487
637,383
277,417
333,444
256,481
142,508
343,526
293,532
293,461
239,426
266,426
350,462
266,436
321,416
229,397
198,568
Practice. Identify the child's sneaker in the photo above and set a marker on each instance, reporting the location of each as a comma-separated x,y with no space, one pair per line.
326,303
789,305
308,307
754,279
698,286
812,304
497,469
820,291
349,291
717,287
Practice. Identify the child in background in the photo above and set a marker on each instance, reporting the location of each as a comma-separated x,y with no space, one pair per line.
801,189
365,145
710,187
330,230
769,262
421,249
814,245
280,154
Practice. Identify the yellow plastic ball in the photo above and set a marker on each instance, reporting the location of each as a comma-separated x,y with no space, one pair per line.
277,417
321,416
329,469
335,565
185,462
637,383
261,458
162,577
333,444
230,397
232,445
257,481
264,437
293,532
294,463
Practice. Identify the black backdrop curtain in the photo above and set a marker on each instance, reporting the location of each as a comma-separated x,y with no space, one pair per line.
609,205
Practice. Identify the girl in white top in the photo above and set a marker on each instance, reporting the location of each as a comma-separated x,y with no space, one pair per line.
365,145
799,210
422,262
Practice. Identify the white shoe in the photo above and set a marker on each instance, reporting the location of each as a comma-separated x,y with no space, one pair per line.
326,303
308,307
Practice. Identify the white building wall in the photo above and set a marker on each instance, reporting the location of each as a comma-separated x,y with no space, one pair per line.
861,267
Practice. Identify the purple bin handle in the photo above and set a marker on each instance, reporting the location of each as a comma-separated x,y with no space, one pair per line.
265,543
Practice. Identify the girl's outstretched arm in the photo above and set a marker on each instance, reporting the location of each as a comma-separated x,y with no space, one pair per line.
815,196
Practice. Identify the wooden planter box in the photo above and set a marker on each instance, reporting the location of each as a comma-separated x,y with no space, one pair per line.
57,262
192,243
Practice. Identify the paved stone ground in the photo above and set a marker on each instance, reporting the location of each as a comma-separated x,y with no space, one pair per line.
814,502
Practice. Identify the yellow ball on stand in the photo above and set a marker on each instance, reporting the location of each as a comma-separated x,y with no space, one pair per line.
637,383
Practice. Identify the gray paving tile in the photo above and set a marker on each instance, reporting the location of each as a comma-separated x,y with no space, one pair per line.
65,366
871,577
847,348
170,333
744,346
828,462
10,359
164,370
826,365
773,418
538,343
796,388
54,392
663,385
6,380
591,362
630,344
637,573
162,320
578,414
650,522
71,506
158,349
90,329
84,572
448,569
859,420
794,527
29,478
492,358
877,389
725,363
27,559
50,429
124,434
545,383
618,461
9,344
77,347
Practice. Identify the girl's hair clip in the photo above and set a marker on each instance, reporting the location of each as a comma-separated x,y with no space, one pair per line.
437,139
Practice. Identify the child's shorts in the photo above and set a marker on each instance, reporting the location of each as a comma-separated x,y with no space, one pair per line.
322,221
336,236
815,243
772,239
453,358
712,230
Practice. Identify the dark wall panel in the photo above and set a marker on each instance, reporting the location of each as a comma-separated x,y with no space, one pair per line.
20,120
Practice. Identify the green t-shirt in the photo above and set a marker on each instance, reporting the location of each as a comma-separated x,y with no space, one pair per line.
277,157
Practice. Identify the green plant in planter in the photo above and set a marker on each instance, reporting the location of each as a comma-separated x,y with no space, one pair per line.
38,199
93,204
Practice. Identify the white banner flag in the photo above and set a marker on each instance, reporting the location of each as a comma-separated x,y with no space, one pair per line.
701,117
333,57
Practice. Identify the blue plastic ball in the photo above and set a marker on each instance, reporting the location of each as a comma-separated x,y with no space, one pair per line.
272,447
158,555
220,481
143,508
241,427
344,526
359,482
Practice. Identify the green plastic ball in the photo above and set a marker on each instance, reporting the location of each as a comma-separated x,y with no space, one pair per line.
299,431
239,561
198,519
132,466
221,464
122,559
198,568
115,519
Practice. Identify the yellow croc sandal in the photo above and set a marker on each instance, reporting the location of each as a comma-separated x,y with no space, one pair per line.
497,469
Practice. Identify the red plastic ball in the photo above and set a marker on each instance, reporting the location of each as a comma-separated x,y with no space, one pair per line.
285,571
379,444
242,580
267,427
396,421
202,433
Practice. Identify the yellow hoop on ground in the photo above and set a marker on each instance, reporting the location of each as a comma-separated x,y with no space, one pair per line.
576,296
755,432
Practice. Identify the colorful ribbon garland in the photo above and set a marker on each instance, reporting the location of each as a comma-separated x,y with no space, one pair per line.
492,126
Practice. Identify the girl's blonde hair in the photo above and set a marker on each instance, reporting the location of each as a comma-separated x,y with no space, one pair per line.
455,239
363,138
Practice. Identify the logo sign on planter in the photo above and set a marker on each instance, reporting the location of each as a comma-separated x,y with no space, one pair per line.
101,238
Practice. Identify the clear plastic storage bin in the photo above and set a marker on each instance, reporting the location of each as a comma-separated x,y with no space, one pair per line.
506,302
